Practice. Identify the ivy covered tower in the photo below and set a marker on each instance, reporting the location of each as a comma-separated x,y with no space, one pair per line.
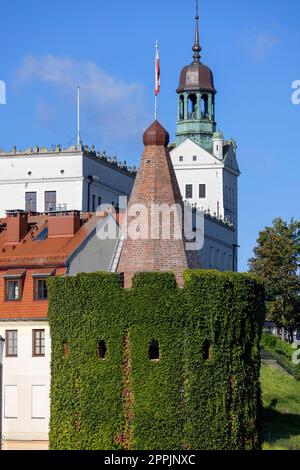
196,100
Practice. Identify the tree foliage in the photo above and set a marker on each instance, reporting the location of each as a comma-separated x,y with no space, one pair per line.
277,260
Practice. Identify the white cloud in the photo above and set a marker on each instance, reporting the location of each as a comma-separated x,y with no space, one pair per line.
113,108
260,44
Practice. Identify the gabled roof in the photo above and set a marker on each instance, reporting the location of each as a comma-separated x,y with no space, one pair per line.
209,157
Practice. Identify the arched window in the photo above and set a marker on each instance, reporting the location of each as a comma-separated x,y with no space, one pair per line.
207,351
101,350
192,107
204,106
181,108
154,351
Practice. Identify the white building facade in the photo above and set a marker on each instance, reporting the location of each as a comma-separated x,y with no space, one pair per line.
210,184
25,343
26,384
77,178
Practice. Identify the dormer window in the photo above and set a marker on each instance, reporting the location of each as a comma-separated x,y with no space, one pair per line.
13,286
40,289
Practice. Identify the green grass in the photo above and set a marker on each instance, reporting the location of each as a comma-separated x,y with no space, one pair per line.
281,396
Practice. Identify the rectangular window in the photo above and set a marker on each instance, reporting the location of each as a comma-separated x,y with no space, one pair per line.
11,342
50,201
38,343
189,191
94,203
194,158
99,201
11,401
13,289
38,402
30,202
202,191
40,289
181,159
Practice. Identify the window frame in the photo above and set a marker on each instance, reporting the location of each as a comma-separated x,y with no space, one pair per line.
27,193
201,187
34,338
6,343
36,289
45,201
19,281
190,186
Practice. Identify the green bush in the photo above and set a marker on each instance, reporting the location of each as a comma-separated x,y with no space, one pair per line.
274,344
282,352
202,393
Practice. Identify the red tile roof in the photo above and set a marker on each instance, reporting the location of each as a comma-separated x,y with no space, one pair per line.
33,258
46,252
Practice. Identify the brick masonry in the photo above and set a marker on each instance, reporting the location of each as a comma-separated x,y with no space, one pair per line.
156,183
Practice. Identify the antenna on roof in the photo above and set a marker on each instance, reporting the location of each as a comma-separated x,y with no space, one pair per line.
79,141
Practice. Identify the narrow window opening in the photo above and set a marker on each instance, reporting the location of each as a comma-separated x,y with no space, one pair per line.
154,351
207,351
204,106
181,108
101,350
202,191
66,349
192,107
189,191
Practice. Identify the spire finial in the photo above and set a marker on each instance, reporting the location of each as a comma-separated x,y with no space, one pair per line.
197,48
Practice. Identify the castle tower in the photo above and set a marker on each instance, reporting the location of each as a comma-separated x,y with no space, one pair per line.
156,184
196,100
206,164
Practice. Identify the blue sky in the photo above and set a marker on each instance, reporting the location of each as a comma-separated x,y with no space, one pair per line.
252,46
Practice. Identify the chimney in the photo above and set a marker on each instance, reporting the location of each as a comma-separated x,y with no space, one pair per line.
63,224
16,226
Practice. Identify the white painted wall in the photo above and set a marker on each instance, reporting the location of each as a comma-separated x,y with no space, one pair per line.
217,252
221,200
26,386
207,170
26,379
66,173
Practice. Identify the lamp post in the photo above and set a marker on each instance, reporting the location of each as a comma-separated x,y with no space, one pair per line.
1,388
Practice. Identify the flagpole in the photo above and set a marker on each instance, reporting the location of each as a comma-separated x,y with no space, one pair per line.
156,81
78,116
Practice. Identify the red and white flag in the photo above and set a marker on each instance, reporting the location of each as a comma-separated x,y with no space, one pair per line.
157,71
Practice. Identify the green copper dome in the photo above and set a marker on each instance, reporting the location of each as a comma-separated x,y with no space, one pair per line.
218,135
